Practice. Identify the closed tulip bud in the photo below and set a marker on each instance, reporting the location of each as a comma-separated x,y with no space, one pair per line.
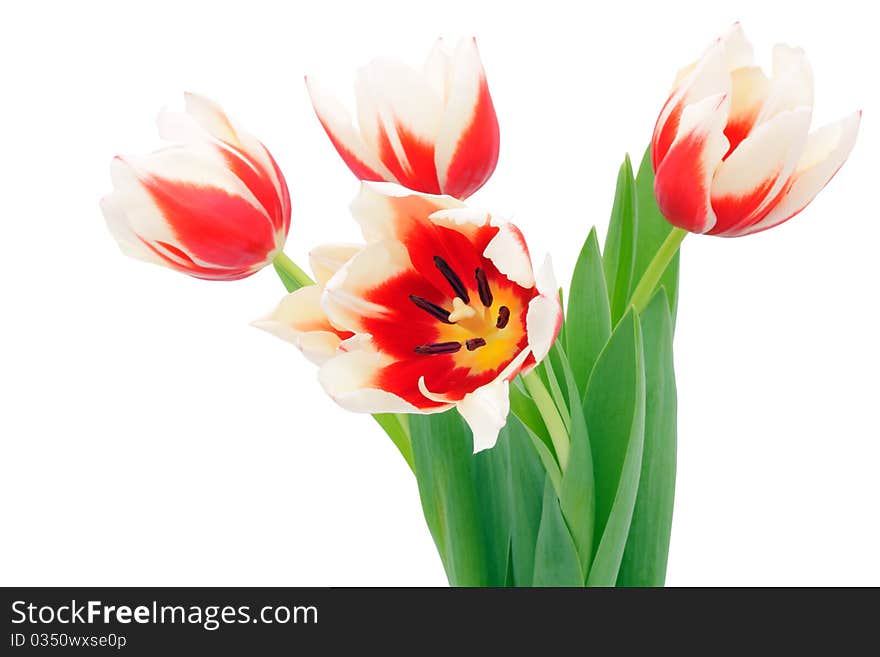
214,206
732,150
433,131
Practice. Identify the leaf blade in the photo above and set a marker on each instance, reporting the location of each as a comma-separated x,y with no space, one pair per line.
647,549
615,413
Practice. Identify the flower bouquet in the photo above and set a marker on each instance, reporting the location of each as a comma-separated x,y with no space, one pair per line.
538,421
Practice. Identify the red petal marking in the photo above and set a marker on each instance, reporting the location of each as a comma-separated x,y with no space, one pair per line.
421,174
476,153
184,264
680,184
405,326
664,134
213,225
738,130
284,225
402,378
358,167
257,180
738,211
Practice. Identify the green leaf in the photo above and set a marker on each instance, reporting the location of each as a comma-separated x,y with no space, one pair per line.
522,405
445,471
647,548
391,424
577,497
620,244
525,485
588,321
652,230
492,471
289,282
556,558
615,413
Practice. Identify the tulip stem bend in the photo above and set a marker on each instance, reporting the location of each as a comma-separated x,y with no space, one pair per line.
289,271
550,414
656,268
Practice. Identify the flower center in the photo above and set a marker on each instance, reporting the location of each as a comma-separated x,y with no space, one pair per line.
481,325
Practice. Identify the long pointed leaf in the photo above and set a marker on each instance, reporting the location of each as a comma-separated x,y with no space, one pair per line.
444,467
556,558
620,246
647,548
615,413
578,496
588,321
525,487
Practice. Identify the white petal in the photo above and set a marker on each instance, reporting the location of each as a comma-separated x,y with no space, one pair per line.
704,121
466,79
791,85
510,254
709,78
485,410
338,124
769,154
544,315
326,260
438,69
390,94
460,217
114,208
348,378
386,211
298,319
208,118
343,299
826,150
737,49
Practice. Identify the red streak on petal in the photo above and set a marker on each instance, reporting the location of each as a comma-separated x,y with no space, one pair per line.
680,184
738,130
420,174
664,134
737,212
476,153
358,167
184,264
214,226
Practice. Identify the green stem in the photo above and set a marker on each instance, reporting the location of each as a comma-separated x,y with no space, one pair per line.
656,268
289,271
550,415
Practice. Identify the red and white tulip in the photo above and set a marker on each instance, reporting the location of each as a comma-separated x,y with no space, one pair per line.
433,131
214,206
441,308
732,151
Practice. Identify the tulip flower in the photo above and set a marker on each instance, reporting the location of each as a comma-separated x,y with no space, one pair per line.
299,318
732,152
433,131
215,206
441,308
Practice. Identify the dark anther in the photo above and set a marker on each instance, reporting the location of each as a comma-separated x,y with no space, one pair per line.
438,348
453,279
503,317
431,308
474,343
483,287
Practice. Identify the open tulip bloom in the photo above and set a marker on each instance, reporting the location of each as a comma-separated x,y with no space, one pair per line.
543,442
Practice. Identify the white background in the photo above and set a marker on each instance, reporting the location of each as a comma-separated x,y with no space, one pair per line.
150,436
